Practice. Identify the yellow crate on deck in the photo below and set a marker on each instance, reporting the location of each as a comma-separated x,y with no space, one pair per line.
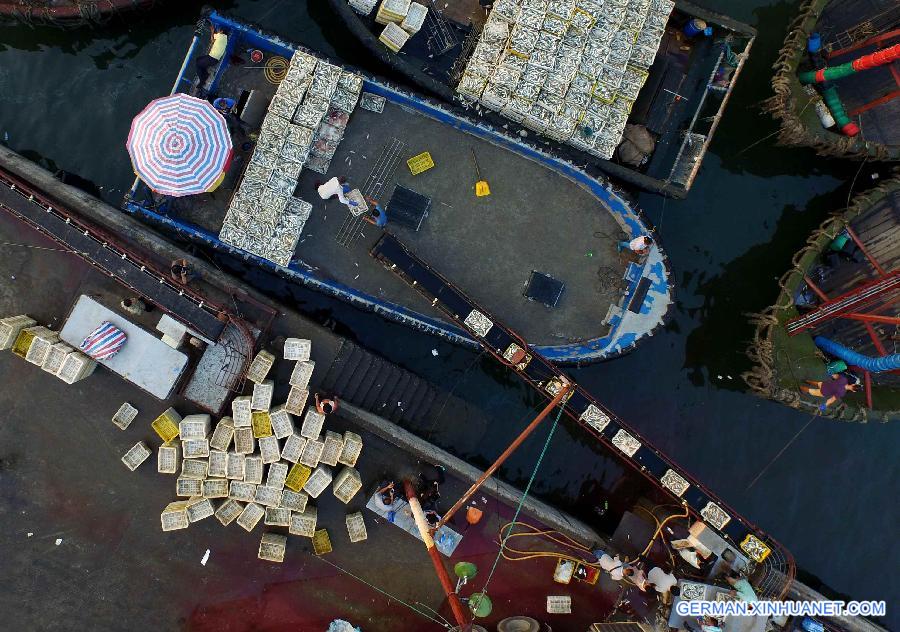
420,163
262,424
23,343
297,477
321,542
166,425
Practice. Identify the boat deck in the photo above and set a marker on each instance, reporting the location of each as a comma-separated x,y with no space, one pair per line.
534,219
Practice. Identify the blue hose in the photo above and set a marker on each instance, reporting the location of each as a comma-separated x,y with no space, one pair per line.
872,365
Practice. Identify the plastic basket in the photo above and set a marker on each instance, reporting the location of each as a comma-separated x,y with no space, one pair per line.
218,464
229,511
250,516
260,366
253,470
76,367
235,466
297,349
55,357
269,449
559,604
302,373
242,491
312,424
296,400
312,452
240,410
418,164
124,416
304,522
222,435
174,516
199,508
293,448
40,345
194,427
166,425
194,468
268,496
277,475
297,477
346,484
272,547
356,527
167,458
215,488
295,501
195,448
243,440
262,424
11,327
350,451
282,423
318,481
278,517
321,542
334,444
188,487
262,395
138,453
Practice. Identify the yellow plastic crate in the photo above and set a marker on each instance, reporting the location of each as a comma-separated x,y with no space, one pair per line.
166,426
420,163
297,477
321,542
23,343
262,424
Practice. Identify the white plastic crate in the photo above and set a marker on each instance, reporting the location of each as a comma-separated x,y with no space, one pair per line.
346,484
318,481
253,470
199,508
168,456
138,453
351,449
55,357
218,464
194,427
272,547
195,448
356,527
334,444
278,517
11,327
229,511
297,349
304,522
188,487
242,491
260,366
194,468
40,345
241,411
243,440
282,422
415,18
393,37
222,435
124,416
250,516
276,475
293,448
262,395
312,452
76,367
312,424
363,7
559,604
296,400
295,501
269,449
235,463
215,488
175,516
302,373
268,496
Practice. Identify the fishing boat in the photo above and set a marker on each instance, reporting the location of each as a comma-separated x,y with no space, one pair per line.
837,80
837,312
533,236
67,12
635,88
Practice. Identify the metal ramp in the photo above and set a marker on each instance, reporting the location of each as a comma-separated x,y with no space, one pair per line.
440,36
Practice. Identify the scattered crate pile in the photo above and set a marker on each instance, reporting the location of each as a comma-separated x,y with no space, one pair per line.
41,346
567,69
401,18
303,128
257,466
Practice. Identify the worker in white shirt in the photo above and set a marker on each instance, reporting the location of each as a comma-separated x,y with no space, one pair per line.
217,45
639,245
662,582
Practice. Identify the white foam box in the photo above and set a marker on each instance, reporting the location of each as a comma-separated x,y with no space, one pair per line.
334,444
278,517
277,475
312,424
222,435
235,463
215,488
351,449
218,464
194,468
253,470
188,487
168,456
242,491
346,484
229,511
296,400
243,440
241,411
312,452
194,427
262,395
302,373
11,326
304,522
295,501
55,357
272,547
175,516
195,448
356,527
260,366
250,516
318,481
293,448
269,449
297,349
282,422
138,453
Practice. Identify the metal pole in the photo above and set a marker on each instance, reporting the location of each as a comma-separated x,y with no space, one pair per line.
506,453
455,605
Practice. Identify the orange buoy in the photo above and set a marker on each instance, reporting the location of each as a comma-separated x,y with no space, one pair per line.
473,514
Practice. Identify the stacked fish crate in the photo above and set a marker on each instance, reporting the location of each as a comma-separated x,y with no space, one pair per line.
41,346
567,69
304,125
401,18
363,6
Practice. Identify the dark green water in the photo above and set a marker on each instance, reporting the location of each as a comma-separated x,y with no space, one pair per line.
67,99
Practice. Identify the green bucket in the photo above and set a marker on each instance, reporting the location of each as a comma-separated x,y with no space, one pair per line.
480,604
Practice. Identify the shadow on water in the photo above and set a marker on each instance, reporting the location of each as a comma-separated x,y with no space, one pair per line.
69,96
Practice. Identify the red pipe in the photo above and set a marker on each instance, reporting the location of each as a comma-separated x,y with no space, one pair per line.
878,58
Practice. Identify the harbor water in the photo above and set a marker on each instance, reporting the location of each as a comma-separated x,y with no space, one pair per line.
67,98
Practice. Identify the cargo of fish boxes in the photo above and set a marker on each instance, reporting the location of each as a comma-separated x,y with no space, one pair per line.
356,527
11,327
297,349
168,456
55,357
41,341
75,367
392,11
166,425
346,484
260,367
393,37
175,516
124,416
138,453
272,547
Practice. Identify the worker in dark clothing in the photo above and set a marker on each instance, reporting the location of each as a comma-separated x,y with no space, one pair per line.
181,271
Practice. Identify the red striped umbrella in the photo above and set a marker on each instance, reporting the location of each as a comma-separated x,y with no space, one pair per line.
179,145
